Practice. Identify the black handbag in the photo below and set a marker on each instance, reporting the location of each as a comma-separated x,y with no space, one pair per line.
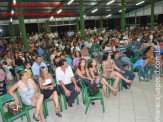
93,90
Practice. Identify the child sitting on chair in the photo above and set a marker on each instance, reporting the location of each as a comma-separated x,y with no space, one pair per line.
141,65
27,67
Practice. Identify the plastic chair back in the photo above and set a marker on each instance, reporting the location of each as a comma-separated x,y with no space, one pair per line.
17,69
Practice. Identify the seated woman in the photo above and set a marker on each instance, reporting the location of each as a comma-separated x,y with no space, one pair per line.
17,61
76,59
84,52
48,88
28,92
94,71
83,73
108,72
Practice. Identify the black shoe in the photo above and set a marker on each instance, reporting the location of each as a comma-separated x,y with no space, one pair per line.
125,86
92,102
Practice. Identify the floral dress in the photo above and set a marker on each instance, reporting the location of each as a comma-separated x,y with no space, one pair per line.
108,65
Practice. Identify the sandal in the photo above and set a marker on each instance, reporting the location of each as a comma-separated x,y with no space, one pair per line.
58,113
92,102
35,118
114,93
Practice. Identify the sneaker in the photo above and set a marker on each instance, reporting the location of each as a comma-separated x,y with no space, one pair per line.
146,79
142,79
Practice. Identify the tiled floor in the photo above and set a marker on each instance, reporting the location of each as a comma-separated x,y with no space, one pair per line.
134,105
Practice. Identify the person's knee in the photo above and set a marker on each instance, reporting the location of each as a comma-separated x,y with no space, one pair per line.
41,96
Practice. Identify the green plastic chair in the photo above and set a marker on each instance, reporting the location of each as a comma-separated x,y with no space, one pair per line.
17,69
7,116
110,81
89,98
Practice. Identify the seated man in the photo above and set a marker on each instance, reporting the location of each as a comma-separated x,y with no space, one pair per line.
36,68
119,64
65,77
123,57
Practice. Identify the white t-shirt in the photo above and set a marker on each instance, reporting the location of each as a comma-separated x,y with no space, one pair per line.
64,77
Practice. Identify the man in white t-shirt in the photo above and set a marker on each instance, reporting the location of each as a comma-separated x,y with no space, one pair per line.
65,77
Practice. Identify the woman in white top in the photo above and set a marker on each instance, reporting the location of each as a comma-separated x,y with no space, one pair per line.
28,92
48,89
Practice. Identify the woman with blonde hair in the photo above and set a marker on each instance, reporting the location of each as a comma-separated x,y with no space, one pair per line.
28,92
48,89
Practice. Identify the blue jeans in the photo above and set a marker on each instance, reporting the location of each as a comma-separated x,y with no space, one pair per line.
143,70
126,60
130,75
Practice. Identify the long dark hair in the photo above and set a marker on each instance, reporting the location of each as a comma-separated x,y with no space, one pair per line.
147,49
90,63
80,61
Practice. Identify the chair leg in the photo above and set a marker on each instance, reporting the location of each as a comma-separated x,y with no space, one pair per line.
44,110
87,104
65,103
139,75
102,101
60,103
77,100
28,117
83,97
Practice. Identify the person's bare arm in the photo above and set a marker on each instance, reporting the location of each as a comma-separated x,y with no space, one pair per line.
76,86
67,92
41,85
11,92
92,74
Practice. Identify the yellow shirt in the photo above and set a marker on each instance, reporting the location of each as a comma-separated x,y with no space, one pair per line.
29,72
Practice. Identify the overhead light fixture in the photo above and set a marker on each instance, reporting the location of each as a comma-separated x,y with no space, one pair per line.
59,11
108,10
109,15
51,18
0,30
139,3
110,2
70,2
14,1
94,10
10,19
12,12
121,10
84,16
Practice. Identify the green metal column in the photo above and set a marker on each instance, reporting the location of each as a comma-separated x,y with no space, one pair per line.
47,26
77,25
22,26
101,22
152,14
135,18
11,29
82,24
123,15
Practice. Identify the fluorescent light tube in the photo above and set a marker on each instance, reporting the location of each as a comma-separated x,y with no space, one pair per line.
109,15
70,2
59,11
110,2
139,3
94,10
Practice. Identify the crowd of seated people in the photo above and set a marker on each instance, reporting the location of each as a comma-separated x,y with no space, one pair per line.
69,59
